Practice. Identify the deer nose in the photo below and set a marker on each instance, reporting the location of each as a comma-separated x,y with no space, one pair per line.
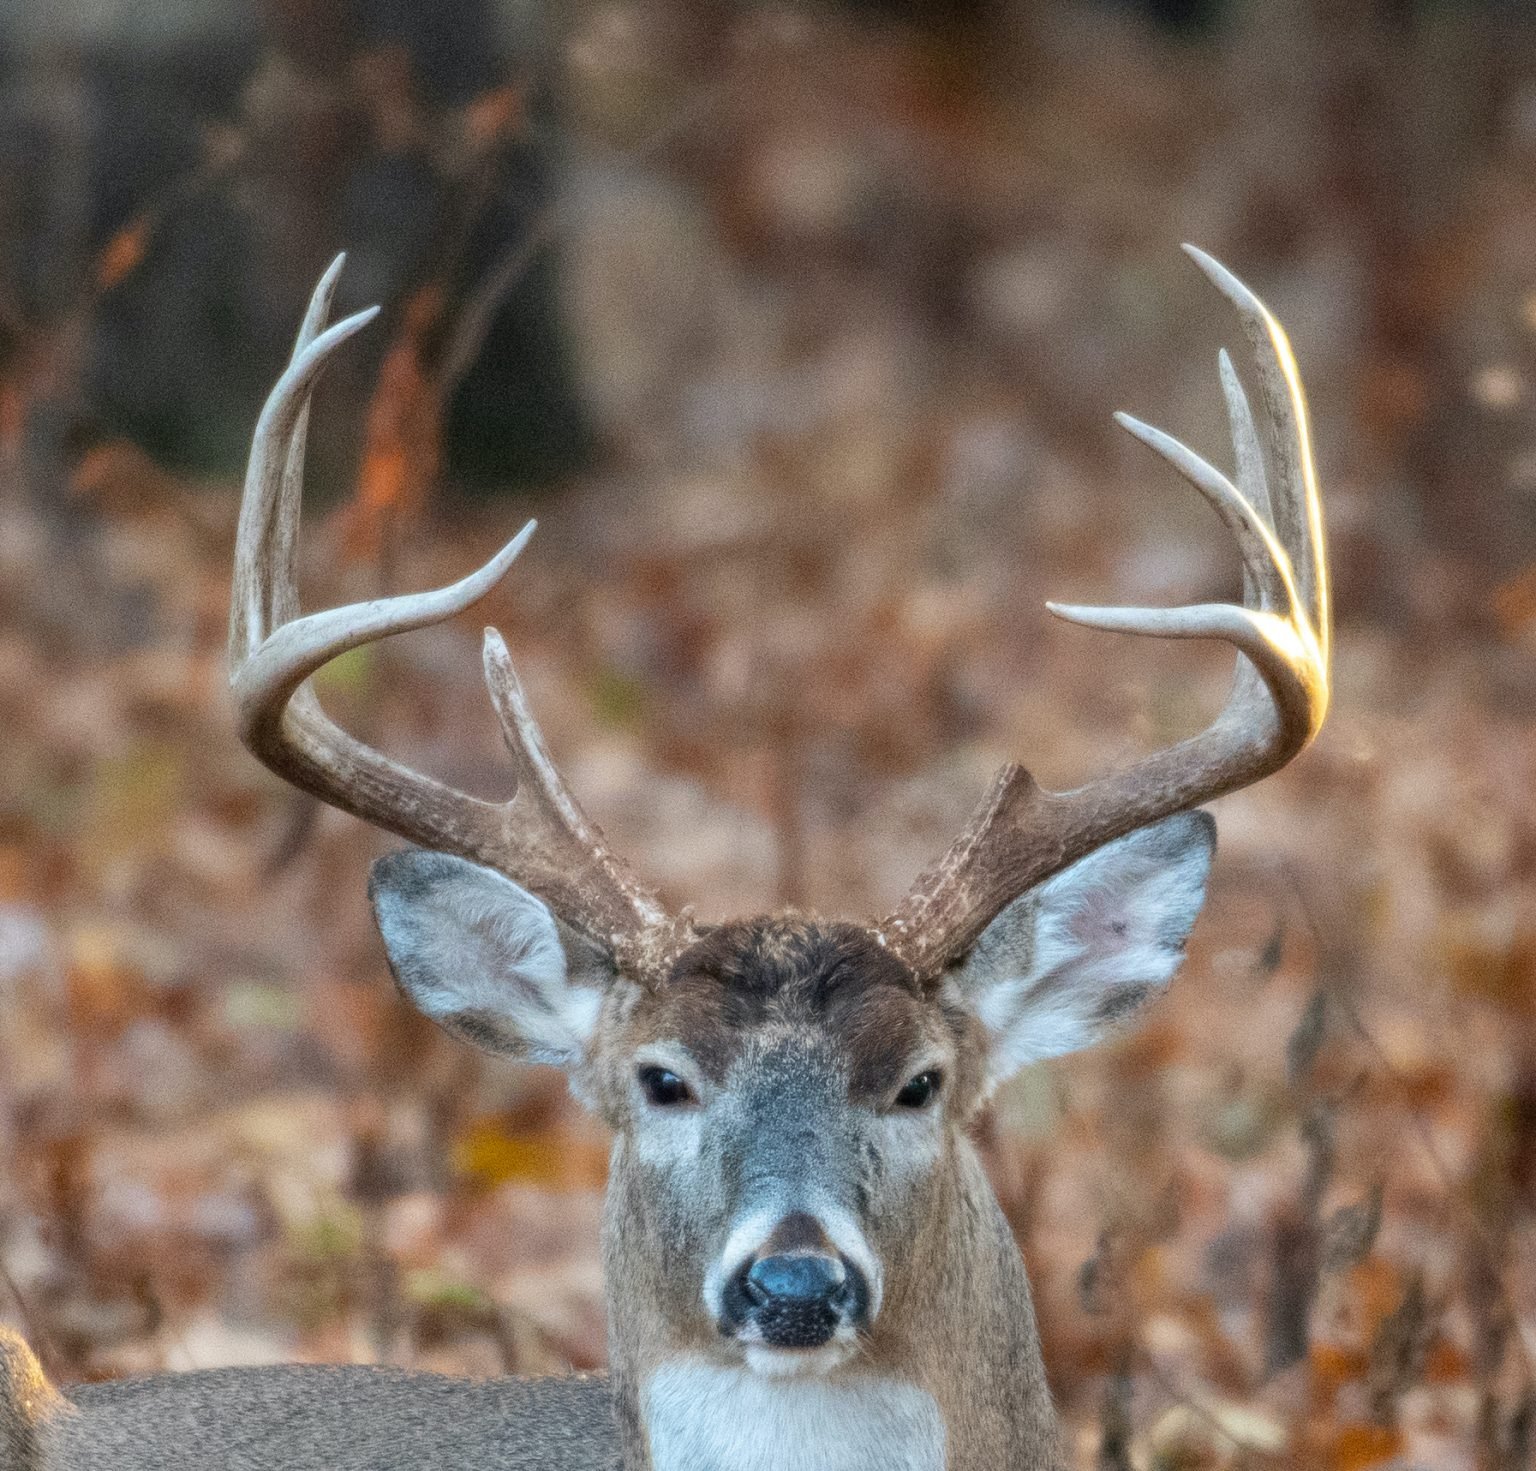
799,1299
795,1281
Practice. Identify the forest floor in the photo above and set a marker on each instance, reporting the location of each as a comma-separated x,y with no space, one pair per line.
1286,1222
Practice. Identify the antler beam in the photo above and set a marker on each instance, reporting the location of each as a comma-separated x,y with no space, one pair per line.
1020,834
540,838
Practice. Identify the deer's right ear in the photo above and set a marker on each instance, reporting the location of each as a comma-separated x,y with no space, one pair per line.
484,958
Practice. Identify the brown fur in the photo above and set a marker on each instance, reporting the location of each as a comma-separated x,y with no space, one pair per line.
756,998
833,979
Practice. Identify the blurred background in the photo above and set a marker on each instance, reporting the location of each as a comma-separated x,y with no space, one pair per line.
799,327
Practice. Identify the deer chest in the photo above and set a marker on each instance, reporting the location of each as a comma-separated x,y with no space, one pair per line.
701,1417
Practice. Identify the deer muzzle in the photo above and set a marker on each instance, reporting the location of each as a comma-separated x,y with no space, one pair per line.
796,1289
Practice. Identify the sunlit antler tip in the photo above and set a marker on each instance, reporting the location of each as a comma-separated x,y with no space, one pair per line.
1205,260
1225,282
1137,621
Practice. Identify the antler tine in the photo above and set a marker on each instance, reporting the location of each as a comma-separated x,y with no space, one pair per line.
1252,479
573,856
1264,559
1020,834
539,838
1298,510
274,476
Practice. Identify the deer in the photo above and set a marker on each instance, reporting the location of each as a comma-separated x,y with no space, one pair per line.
805,1266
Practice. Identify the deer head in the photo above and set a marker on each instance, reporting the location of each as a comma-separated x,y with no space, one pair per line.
792,1190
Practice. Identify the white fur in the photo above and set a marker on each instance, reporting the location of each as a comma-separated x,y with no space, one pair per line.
748,1235
844,1233
471,940
702,1417
745,1238
807,1363
1116,921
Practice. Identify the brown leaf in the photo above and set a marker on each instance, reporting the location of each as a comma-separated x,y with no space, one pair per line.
1350,1232
1307,1039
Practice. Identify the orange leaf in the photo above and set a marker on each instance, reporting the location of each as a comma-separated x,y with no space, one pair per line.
13,872
492,1155
493,114
1359,1446
122,253
104,992
1333,1365
1514,603
13,414
1446,1364
1375,1289
400,452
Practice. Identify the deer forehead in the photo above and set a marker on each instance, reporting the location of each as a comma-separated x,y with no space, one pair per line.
762,991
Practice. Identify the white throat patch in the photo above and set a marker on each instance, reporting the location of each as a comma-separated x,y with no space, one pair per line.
701,1417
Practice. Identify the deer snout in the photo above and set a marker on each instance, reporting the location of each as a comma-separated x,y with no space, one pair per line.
797,1290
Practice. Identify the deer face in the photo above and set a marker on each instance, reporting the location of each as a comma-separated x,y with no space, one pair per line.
784,1101
789,1100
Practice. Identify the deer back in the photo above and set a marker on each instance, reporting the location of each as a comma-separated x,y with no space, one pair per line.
302,1418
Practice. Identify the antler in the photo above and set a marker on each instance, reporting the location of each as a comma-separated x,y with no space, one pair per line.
1021,834
540,838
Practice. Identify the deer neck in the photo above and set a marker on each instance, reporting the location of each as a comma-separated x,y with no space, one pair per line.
952,1379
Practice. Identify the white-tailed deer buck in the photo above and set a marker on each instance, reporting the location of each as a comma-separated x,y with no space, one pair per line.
806,1267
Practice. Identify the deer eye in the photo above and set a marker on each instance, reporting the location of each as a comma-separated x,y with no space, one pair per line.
919,1092
663,1087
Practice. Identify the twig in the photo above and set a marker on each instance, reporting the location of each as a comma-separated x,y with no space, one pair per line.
479,311
42,1344
1334,960
1179,1397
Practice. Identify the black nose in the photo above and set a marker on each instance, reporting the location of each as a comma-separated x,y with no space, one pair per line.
797,1300
802,1280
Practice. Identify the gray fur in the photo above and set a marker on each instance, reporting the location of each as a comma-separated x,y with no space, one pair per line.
311,1418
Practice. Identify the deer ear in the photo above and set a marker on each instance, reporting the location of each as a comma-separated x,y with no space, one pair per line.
1067,961
484,958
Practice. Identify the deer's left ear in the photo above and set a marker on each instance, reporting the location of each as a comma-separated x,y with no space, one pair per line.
1066,962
